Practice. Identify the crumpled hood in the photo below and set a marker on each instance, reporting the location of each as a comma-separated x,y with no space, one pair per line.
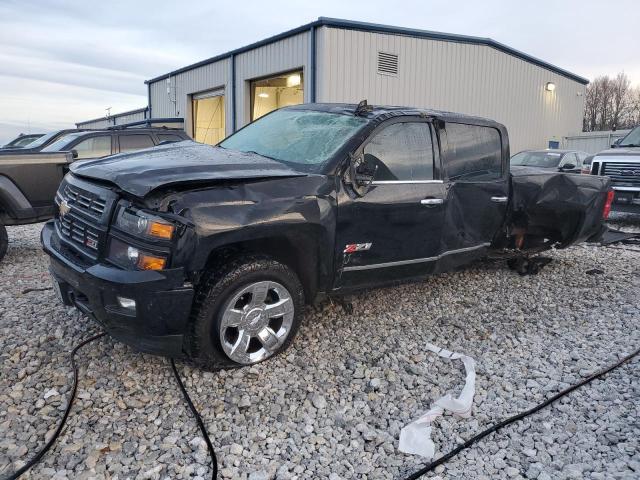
145,170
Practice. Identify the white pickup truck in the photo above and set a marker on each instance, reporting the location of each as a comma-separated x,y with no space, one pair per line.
621,163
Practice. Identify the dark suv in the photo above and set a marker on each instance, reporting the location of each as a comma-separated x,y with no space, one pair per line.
211,252
29,178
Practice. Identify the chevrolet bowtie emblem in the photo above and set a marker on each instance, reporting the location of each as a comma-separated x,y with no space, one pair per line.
64,208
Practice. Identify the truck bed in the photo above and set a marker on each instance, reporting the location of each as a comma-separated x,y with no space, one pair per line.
557,209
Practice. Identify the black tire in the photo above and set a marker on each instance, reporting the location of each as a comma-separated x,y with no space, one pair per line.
203,340
4,241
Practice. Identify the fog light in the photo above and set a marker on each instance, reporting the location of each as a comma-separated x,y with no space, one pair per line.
127,303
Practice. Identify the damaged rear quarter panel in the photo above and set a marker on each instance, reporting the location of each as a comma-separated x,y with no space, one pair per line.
301,210
565,207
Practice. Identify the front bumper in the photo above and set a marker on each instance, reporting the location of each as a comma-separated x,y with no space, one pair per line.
163,302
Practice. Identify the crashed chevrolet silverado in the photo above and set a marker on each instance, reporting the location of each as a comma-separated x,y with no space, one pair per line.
211,252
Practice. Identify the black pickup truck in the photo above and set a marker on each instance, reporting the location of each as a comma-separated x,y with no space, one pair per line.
211,252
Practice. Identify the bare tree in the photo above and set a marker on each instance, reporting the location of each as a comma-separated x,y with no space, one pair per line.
611,104
619,99
633,112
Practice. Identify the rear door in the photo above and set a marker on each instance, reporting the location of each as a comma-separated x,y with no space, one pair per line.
475,165
393,231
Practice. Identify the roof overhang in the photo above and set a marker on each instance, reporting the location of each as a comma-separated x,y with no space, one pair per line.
378,28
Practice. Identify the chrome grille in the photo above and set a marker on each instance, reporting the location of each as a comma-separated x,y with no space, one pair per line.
627,173
79,232
84,201
83,219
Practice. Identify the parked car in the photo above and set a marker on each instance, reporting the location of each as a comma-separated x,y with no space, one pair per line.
567,161
39,143
29,180
101,143
22,140
621,163
586,165
214,260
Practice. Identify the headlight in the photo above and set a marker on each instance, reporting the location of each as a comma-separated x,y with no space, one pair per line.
134,258
138,223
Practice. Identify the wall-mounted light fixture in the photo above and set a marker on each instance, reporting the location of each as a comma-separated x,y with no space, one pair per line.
550,87
263,95
293,80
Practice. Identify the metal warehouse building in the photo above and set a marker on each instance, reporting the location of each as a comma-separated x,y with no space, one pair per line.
117,119
332,60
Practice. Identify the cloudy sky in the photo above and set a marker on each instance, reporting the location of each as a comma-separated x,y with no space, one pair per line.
66,61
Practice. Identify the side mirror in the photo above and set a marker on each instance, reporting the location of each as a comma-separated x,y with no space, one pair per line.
616,143
567,166
74,153
361,173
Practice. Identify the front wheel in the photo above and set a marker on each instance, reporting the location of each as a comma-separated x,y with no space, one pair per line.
4,241
245,313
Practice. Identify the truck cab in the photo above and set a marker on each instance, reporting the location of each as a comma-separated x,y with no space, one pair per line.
211,252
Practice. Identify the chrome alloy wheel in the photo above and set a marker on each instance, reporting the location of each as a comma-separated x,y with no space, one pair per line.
256,321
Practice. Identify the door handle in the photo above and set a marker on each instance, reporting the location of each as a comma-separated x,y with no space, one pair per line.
432,201
500,199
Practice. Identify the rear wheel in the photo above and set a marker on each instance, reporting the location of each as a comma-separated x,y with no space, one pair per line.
4,241
245,313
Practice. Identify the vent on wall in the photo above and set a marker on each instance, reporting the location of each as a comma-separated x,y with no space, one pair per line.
387,63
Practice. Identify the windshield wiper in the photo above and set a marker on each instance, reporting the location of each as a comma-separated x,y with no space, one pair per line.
629,145
260,154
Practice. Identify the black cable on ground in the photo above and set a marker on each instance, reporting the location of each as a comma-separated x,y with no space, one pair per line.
203,429
70,402
428,468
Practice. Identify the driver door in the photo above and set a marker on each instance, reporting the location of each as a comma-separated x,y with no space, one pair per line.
393,230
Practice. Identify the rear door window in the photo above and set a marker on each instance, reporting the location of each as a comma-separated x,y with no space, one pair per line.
93,147
474,153
129,143
169,137
401,152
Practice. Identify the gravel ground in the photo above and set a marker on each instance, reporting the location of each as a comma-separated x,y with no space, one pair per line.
333,405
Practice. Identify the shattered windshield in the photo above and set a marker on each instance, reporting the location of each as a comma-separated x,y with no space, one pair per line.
537,159
301,137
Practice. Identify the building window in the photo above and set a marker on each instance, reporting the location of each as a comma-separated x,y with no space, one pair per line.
208,117
268,94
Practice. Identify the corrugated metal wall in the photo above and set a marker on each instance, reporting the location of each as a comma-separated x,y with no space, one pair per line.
284,55
592,142
287,54
95,124
176,101
465,78
117,119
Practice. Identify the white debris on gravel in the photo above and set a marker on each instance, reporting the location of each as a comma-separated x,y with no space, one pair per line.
333,405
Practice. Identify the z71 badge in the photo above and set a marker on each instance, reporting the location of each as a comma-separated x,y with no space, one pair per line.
357,247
